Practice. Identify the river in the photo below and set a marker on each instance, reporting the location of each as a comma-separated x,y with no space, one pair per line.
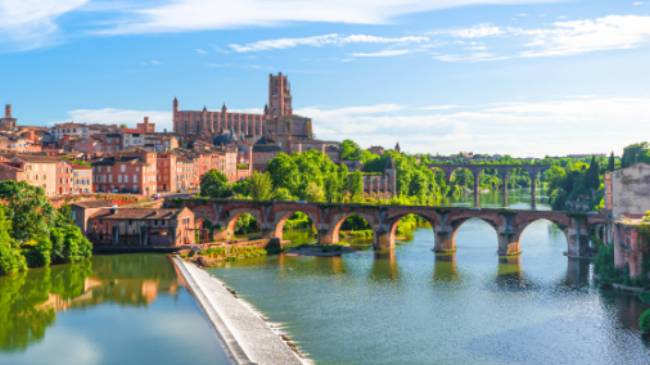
468,308
120,309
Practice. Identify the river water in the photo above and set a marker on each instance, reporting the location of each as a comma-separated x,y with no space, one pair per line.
414,307
121,309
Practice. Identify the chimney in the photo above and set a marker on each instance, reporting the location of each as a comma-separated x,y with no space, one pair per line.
146,120
8,111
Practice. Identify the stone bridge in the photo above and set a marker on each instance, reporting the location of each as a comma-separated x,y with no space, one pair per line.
509,224
503,171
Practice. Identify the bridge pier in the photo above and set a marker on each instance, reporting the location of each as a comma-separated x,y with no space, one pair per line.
384,240
578,238
445,241
508,245
327,236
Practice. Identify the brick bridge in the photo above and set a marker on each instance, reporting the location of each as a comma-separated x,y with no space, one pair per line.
327,218
503,171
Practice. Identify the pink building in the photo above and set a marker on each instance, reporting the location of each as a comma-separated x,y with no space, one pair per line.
134,173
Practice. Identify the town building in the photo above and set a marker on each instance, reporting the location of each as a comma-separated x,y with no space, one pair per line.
141,227
277,121
133,172
627,199
381,185
39,171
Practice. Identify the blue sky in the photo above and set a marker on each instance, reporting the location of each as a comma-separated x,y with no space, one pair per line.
523,77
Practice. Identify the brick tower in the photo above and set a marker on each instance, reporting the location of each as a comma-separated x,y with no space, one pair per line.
279,96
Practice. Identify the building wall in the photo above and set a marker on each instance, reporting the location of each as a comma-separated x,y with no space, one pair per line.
630,191
82,180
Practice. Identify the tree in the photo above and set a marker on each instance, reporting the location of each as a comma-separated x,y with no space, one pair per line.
11,260
314,193
611,164
635,153
30,226
261,186
355,186
283,194
215,185
350,151
593,174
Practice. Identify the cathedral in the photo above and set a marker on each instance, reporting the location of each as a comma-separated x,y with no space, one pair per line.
277,123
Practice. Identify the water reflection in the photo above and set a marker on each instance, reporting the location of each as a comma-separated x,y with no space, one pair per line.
445,268
510,275
384,267
29,301
577,273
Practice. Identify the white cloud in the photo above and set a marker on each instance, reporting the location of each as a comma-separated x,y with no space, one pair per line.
323,40
193,15
382,53
163,119
472,32
537,128
529,128
29,24
200,51
589,35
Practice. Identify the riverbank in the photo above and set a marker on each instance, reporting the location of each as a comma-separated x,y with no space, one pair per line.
245,334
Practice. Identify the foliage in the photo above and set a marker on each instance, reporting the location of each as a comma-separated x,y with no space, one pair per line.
644,321
635,153
32,232
11,260
231,253
604,266
215,185
261,186
575,185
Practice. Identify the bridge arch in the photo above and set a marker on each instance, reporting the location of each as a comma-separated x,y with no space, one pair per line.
394,220
281,219
233,217
332,234
524,227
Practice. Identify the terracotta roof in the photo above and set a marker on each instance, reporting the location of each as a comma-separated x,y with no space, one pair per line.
137,213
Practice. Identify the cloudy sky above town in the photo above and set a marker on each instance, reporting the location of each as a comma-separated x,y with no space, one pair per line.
523,77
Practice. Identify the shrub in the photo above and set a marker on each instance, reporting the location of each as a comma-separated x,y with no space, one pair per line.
644,321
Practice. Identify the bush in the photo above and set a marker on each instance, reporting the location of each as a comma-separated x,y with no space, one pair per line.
604,265
644,321
644,297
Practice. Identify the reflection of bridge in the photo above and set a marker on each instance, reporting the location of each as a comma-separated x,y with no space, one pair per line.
509,224
503,171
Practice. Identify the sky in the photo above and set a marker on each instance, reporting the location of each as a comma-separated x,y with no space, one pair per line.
518,77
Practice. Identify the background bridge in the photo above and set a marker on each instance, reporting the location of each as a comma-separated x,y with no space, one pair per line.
503,171
509,224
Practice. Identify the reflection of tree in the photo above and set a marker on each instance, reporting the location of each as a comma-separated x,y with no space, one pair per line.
384,267
29,301
509,273
445,268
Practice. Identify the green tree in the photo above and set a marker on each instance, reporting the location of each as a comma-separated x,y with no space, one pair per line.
355,186
283,194
611,163
644,321
11,260
214,184
350,151
635,153
314,193
261,186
